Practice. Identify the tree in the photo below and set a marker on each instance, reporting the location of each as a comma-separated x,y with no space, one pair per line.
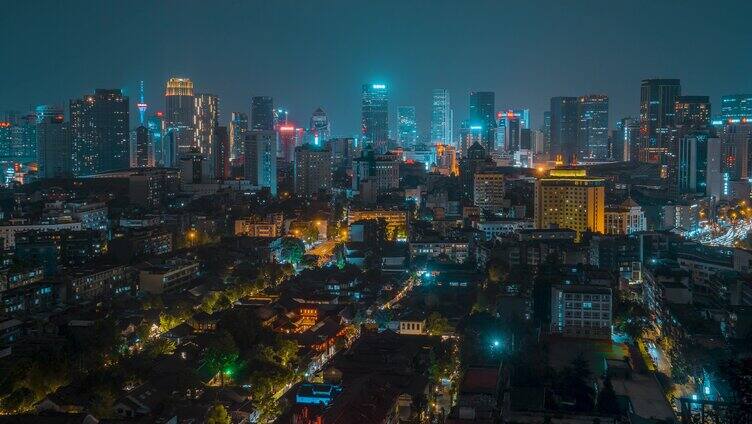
437,325
218,415
292,250
575,381
287,350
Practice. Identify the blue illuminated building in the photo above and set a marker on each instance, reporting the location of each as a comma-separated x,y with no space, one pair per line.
375,114
316,394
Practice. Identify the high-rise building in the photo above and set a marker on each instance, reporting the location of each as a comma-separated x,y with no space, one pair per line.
280,116
156,127
375,115
735,148
657,113
262,113
238,128
18,142
564,126
488,191
179,113
714,173
524,117
508,131
407,128
482,112
568,198
206,120
319,127
469,135
692,163
313,170
142,151
475,160
222,154
289,138
626,139
692,112
546,128
343,150
592,136
735,108
260,166
441,117
99,130
53,142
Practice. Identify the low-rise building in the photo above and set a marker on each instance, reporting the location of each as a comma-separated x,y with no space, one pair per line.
581,311
171,276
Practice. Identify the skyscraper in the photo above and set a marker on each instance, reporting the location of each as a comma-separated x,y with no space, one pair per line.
657,111
313,170
238,128
222,154
593,127
206,123
626,140
142,152
319,127
546,129
524,116
692,163
407,128
262,113
99,130
441,117
692,112
53,142
290,137
260,166
156,127
375,115
736,107
564,126
482,112
18,142
179,112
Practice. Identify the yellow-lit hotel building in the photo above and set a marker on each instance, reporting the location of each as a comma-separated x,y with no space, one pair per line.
568,198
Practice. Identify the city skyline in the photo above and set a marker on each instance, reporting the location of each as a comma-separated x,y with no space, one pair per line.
334,77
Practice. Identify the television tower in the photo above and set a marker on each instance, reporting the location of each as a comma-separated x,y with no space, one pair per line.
141,105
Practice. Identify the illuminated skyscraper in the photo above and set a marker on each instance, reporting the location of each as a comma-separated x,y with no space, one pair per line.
260,166
238,128
546,129
735,108
179,113
319,127
482,112
290,137
407,128
524,116
564,126
156,127
53,142
375,115
592,137
142,151
313,170
657,110
568,198
441,117
206,123
18,142
626,140
262,113
222,154
692,112
99,130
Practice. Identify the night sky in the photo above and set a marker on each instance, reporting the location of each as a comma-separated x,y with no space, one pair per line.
308,53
